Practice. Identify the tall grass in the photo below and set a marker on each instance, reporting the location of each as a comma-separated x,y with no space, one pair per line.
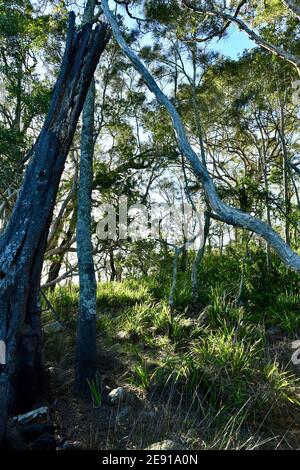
214,374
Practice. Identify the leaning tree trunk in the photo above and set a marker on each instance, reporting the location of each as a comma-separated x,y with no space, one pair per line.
85,362
221,211
22,380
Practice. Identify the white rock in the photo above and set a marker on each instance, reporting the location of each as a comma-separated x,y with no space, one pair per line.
166,445
52,327
32,415
76,445
117,395
122,335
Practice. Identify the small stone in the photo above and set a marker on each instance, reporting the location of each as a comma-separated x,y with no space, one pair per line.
32,415
123,335
166,445
73,445
116,395
53,327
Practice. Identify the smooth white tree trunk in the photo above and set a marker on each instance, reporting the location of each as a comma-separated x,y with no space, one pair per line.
221,210
85,366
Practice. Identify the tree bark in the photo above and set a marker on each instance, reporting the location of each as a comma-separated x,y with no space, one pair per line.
285,173
113,271
85,362
24,241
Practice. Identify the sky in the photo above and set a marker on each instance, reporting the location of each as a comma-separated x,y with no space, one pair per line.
234,44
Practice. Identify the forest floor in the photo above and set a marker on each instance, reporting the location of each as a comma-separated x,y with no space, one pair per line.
219,380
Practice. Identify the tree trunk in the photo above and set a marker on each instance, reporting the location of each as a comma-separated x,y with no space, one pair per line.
23,243
267,202
85,366
285,174
197,261
113,271
221,211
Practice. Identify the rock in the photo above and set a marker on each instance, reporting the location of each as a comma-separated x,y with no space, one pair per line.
73,445
53,327
32,415
116,395
121,394
166,445
123,335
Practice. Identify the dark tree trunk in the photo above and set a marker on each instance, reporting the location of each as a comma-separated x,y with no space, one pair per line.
113,271
22,246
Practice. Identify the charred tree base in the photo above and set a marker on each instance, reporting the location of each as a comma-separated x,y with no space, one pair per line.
31,384
85,367
23,243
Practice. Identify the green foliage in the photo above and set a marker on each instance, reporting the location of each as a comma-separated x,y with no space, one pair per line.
64,299
95,387
164,11
141,376
123,293
230,374
219,364
145,319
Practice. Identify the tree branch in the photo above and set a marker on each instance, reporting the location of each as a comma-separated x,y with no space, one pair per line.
229,214
278,51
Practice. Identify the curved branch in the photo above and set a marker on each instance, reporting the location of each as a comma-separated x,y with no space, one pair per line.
229,214
278,51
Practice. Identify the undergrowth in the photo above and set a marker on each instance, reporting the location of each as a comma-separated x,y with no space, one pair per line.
214,364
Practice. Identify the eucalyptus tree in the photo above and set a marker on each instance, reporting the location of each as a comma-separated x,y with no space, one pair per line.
221,210
85,362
